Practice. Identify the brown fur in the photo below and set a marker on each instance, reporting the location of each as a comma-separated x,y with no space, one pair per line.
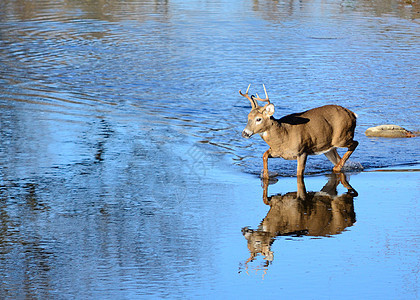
298,213
316,131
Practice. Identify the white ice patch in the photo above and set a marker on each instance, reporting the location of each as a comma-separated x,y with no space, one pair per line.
352,166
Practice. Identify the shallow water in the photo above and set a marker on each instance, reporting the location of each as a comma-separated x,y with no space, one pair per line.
123,172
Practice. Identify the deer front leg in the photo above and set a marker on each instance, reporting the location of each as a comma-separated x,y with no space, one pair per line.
301,163
301,189
266,155
265,191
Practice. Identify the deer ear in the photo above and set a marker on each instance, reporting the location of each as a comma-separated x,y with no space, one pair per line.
269,110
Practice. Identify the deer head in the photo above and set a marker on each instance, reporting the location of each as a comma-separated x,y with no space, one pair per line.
259,117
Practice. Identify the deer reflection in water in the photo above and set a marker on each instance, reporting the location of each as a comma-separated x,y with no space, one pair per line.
317,214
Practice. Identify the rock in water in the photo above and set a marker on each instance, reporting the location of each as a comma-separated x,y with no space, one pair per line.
389,131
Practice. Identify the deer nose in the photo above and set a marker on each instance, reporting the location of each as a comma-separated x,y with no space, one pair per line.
246,133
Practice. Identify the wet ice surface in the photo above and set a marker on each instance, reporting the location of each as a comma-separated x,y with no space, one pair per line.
123,172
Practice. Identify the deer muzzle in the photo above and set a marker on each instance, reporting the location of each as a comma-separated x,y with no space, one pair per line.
246,133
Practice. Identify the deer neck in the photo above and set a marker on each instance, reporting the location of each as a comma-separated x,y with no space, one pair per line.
273,133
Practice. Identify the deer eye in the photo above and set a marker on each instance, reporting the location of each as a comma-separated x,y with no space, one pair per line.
258,120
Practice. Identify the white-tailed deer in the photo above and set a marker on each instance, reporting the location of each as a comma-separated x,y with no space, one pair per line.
317,131
300,213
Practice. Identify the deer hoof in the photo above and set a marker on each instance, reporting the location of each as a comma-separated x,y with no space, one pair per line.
268,174
353,192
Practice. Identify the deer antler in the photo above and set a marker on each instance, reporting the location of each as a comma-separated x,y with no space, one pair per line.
251,99
259,99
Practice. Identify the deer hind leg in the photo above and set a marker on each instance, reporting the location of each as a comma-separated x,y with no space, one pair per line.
340,164
346,184
333,156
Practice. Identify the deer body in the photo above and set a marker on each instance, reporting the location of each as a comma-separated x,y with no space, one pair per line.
322,213
317,131
298,134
